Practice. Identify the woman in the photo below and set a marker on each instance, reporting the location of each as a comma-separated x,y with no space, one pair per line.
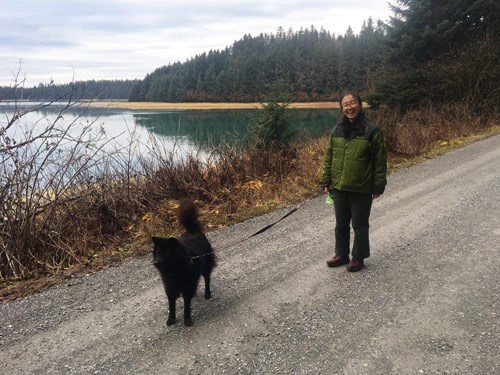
354,172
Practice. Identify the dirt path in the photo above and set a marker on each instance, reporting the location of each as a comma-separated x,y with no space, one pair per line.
427,302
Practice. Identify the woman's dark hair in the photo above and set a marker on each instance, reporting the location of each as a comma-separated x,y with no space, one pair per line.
354,94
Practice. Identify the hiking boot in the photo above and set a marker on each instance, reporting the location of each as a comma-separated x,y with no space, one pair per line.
355,265
337,260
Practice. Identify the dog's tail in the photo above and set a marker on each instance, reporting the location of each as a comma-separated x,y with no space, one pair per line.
188,216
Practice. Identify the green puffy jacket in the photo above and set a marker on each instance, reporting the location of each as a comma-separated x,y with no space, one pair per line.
357,163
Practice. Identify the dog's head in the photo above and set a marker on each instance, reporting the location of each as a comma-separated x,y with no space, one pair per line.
169,253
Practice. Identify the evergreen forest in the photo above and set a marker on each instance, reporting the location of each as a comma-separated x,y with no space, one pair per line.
434,51
430,51
103,89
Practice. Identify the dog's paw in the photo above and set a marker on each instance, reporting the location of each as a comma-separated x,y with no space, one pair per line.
188,322
208,295
170,321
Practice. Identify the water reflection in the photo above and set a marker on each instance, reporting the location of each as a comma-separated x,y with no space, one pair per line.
205,129
209,128
195,130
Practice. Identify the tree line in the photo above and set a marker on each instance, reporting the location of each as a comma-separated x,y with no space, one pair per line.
102,89
436,52
311,64
429,52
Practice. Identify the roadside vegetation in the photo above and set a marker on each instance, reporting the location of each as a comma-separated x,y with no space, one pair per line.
73,199
64,210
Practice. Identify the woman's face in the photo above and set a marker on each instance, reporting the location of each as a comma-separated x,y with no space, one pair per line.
350,107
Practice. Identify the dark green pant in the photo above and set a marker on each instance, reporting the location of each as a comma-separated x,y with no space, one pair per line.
355,208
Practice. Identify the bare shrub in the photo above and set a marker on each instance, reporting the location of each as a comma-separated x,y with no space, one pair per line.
220,177
52,181
415,132
42,177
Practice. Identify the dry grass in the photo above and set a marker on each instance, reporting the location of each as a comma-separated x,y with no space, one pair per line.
159,106
418,132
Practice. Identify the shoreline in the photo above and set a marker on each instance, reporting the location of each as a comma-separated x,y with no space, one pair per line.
206,105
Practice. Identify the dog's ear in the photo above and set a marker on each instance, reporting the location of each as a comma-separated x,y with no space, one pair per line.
160,240
172,241
163,240
166,243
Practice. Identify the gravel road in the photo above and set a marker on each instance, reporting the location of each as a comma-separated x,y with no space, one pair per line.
426,303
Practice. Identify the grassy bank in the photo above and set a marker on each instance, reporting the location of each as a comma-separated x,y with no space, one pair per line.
110,216
160,106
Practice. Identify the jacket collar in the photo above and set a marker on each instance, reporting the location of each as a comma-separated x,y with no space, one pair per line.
355,128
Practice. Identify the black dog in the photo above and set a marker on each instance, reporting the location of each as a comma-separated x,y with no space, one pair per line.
182,261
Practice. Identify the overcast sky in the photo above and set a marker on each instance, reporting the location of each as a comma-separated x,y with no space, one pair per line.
66,40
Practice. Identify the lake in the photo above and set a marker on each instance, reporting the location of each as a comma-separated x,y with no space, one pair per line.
183,130
203,128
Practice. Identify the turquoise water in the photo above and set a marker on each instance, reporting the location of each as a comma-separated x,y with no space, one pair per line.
132,134
208,128
194,128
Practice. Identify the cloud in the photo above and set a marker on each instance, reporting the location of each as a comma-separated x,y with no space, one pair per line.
126,39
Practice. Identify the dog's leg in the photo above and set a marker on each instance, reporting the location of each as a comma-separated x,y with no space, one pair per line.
208,293
187,310
171,310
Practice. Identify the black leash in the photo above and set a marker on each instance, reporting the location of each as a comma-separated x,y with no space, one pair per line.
276,222
259,231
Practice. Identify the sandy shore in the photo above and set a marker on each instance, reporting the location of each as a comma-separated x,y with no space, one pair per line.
155,105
